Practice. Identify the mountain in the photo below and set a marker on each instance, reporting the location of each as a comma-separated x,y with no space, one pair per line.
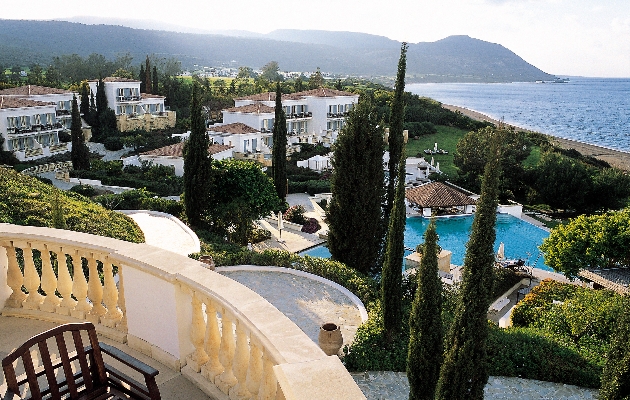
455,59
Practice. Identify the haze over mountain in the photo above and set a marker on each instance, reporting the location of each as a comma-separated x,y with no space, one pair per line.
455,58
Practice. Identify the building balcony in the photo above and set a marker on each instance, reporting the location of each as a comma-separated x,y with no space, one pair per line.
60,113
35,128
128,99
222,337
300,116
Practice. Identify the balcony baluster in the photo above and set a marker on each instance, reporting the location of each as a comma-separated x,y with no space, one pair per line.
254,372
95,292
31,280
241,359
14,279
213,344
49,281
197,335
64,285
110,296
79,288
226,380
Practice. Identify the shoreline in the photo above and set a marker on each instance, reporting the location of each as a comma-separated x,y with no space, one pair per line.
616,158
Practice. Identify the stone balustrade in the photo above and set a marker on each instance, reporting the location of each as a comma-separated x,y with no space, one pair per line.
223,337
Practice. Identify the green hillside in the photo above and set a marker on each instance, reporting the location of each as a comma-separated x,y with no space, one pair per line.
28,201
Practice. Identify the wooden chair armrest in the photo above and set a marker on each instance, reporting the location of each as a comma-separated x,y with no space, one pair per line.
128,360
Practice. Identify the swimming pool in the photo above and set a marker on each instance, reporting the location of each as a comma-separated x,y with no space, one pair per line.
521,239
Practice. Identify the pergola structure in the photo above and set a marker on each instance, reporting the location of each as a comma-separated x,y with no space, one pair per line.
437,195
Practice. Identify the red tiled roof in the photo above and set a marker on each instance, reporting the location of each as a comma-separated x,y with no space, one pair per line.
115,79
321,92
17,102
437,194
237,128
324,92
255,108
32,90
177,150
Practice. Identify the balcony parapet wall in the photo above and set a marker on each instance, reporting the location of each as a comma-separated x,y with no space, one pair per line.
224,337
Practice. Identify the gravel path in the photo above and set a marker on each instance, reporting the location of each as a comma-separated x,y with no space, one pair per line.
307,302
394,386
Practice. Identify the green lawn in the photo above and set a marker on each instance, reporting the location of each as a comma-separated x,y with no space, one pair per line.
446,138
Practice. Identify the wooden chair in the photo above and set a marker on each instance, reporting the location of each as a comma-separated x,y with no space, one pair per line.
58,378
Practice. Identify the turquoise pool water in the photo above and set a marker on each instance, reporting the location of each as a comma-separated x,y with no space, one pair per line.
521,239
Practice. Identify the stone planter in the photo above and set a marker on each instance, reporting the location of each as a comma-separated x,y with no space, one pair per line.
330,338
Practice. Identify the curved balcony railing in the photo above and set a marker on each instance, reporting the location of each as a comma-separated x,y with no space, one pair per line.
220,334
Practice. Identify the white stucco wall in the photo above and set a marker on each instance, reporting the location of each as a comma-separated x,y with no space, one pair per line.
152,312
5,290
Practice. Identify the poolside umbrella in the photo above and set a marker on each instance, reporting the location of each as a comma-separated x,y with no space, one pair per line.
501,252
280,222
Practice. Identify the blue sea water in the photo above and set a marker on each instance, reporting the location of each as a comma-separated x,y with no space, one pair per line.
521,239
589,110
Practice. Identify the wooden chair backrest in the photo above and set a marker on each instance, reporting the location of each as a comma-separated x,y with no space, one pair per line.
90,376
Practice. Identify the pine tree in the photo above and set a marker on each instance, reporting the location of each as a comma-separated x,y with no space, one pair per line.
80,154
464,372
155,83
425,325
279,151
355,222
197,164
396,140
316,80
391,277
616,374
148,82
142,77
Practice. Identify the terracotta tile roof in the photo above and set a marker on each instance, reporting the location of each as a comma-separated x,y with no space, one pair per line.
32,90
324,92
17,102
321,92
255,108
177,150
237,128
267,96
115,79
151,96
437,194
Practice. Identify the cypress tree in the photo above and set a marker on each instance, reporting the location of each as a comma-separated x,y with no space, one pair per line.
196,164
148,82
391,277
279,151
84,108
616,374
464,372
396,140
58,217
142,77
355,220
154,84
425,325
80,154
92,115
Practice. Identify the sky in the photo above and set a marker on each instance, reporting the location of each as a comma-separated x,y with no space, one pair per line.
561,37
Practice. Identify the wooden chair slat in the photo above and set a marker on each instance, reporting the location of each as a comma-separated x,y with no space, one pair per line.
67,367
33,385
85,368
49,369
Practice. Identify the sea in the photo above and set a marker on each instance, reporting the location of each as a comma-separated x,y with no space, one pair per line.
589,110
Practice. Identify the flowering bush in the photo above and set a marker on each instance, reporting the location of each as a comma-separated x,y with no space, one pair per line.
295,214
311,226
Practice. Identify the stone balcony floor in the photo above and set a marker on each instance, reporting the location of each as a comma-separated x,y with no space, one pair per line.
173,385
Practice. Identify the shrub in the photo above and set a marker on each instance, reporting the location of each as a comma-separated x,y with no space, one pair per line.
311,226
113,143
27,201
531,354
295,214
257,235
85,190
